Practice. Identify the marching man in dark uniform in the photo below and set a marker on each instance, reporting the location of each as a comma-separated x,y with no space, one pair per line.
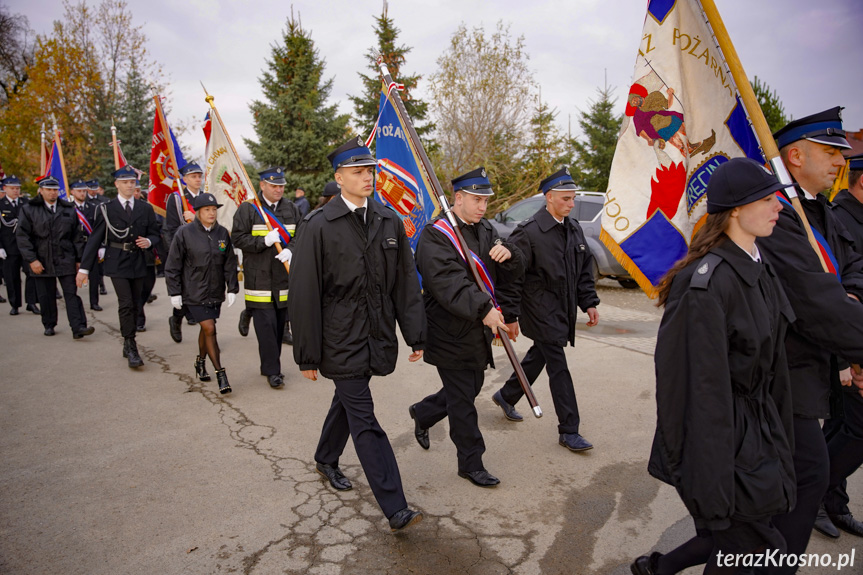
353,275
127,227
50,239
13,263
96,278
200,266
557,281
462,319
176,216
264,275
87,208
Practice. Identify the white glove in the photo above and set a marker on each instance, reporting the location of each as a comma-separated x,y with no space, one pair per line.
101,254
2,254
177,301
239,253
284,256
232,297
271,238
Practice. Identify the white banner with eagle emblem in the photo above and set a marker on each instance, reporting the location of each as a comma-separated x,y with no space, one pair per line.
223,176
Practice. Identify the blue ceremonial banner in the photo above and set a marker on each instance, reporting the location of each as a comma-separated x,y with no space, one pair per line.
400,182
683,119
55,169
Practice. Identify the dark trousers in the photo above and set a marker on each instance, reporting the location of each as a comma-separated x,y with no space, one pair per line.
46,291
353,413
269,329
811,464
146,292
553,359
95,280
128,301
456,401
844,437
13,265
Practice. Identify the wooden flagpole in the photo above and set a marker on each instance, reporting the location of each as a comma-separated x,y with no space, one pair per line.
756,116
246,181
166,133
116,149
43,153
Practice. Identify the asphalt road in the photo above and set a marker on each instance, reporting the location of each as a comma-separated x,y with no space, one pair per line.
106,470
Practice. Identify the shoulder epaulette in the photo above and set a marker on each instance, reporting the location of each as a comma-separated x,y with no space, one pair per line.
311,213
704,271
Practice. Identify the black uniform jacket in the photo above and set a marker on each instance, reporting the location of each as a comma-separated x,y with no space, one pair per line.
263,274
724,430
347,290
55,239
174,216
849,211
201,264
558,279
9,223
454,303
123,259
827,319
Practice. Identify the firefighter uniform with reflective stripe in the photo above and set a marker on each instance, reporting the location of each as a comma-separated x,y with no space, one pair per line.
265,277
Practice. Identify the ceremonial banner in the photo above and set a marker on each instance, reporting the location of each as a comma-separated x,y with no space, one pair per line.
223,174
400,183
162,173
683,119
55,168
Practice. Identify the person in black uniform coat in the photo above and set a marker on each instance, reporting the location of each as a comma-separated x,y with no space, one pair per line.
844,433
264,275
87,209
201,266
724,427
353,275
96,196
13,263
127,227
557,281
147,295
176,216
50,239
462,320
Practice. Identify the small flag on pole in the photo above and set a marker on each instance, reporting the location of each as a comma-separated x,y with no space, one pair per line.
162,173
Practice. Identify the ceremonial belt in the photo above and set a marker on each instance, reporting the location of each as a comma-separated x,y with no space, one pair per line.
264,296
823,246
83,219
126,247
267,215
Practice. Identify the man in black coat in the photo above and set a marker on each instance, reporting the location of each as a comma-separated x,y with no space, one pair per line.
127,227
353,275
462,319
264,275
50,239
87,209
557,281
13,263
828,320
95,196
176,215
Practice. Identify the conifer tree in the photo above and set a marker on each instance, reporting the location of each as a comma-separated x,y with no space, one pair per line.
295,127
593,155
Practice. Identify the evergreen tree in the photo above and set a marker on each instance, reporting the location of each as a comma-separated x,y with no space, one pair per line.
295,127
366,105
592,157
771,105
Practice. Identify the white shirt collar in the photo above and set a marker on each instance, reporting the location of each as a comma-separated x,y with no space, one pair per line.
353,207
807,195
754,254
123,202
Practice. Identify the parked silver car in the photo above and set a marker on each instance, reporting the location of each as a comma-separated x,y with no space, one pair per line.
588,213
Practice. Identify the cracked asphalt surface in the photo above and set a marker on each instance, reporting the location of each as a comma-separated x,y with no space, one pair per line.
106,470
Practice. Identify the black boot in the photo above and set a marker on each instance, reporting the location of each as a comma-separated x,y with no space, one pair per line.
222,378
130,352
201,368
174,324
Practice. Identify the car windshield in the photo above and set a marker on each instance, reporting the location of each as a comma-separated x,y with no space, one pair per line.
588,210
522,211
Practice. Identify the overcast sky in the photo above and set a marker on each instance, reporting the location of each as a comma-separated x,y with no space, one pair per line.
809,51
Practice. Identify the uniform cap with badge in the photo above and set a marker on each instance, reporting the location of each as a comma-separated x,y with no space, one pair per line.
352,153
331,189
191,168
855,163
274,176
79,185
10,181
823,128
204,200
475,182
560,181
48,183
738,182
124,173
93,184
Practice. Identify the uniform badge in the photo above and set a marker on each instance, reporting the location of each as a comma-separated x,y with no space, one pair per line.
566,170
703,269
222,245
360,142
483,173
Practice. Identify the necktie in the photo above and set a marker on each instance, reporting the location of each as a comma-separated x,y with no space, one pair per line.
129,209
361,215
52,209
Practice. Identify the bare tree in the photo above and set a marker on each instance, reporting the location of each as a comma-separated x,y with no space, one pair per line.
16,53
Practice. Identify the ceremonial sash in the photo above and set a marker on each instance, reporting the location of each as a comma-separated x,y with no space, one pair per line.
268,216
823,246
83,219
444,227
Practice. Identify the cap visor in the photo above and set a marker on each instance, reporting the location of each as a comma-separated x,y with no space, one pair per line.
837,141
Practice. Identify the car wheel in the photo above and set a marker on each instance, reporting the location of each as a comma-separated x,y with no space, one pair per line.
627,283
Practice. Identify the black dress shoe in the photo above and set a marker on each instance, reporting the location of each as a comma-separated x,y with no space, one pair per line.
823,524
421,434
481,478
847,523
287,338
222,378
102,290
130,351
2,299
404,518
645,565
49,331
275,381
174,324
201,369
34,308
95,307
152,298
245,319
334,475
574,442
509,411
81,333
141,328
13,311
